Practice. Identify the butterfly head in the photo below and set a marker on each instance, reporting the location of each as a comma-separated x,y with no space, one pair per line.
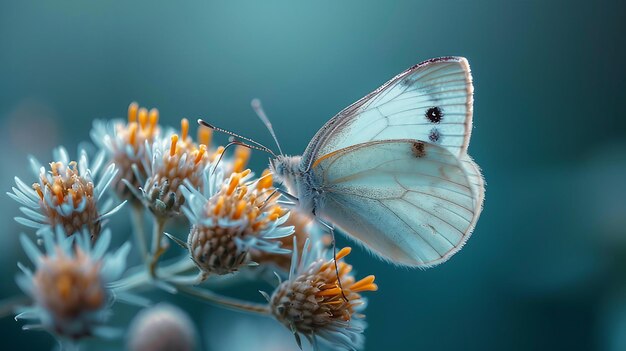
285,170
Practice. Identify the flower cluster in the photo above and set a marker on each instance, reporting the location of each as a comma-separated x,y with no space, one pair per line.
231,221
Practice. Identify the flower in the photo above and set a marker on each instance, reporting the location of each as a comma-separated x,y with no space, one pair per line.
174,160
161,328
231,217
311,301
66,195
304,228
70,283
125,144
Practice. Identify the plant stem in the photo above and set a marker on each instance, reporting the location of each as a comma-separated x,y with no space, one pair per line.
138,229
227,302
157,249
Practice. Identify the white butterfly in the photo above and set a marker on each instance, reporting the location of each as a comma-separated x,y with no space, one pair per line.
392,170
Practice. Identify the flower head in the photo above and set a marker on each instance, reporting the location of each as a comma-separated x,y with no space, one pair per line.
175,159
230,217
69,286
161,328
311,302
125,144
66,194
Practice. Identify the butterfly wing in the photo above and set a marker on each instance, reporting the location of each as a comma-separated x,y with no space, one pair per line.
431,101
411,202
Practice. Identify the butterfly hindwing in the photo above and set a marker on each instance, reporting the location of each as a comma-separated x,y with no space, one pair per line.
412,202
431,101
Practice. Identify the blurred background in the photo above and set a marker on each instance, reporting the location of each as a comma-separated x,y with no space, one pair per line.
546,266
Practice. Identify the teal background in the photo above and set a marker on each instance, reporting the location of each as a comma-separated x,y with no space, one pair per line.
546,266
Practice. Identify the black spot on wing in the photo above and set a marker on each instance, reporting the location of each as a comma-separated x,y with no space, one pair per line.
418,149
434,114
434,135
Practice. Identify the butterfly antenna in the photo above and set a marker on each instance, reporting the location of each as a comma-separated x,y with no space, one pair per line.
237,142
253,144
256,106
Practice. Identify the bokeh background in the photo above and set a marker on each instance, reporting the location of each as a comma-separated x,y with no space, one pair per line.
546,267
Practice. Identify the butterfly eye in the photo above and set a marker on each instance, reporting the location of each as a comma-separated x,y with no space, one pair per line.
434,114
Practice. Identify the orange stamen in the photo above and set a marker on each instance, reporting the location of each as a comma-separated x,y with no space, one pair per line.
184,128
343,252
143,117
243,191
329,292
204,135
265,181
365,284
242,156
37,188
173,145
234,181
132,112
154,120
218,205
132,130
58,191
201,152
241,205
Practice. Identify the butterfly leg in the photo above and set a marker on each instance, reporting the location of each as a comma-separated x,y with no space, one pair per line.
331,230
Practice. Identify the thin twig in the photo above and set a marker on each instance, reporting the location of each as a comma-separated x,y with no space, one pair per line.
224,301
157,249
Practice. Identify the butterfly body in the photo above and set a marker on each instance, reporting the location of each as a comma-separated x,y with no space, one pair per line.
392,170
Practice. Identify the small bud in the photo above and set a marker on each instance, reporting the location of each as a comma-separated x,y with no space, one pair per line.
162,328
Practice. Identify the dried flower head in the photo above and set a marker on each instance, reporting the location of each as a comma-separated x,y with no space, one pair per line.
69,285
311,303
163,327
231,217
66,194
175,159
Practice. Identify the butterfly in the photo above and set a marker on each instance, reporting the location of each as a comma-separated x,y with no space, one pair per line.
391,170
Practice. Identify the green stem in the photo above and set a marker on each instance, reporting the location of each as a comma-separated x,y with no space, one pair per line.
224,301
157,249
138,229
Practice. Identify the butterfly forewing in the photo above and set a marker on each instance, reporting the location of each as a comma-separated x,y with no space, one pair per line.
431,101
412,202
